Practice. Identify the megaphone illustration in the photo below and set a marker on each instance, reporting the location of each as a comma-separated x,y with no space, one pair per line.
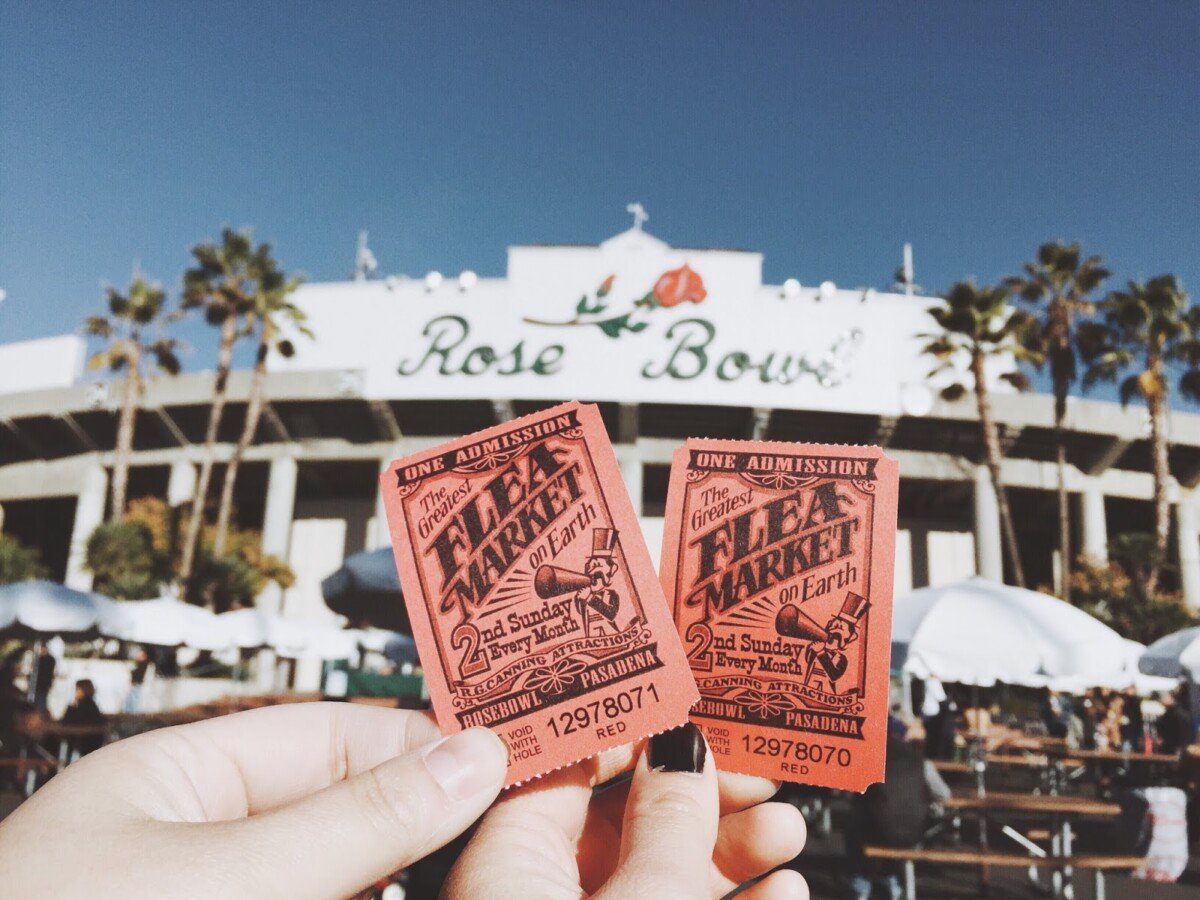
551,581
790,622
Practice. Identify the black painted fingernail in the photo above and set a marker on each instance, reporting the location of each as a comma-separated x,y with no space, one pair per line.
681,749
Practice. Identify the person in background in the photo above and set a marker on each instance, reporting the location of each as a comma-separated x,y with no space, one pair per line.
44,665
1133,723
1055,713
14,704
933,716
84,711
137,681
894,813
1175,730
1108,729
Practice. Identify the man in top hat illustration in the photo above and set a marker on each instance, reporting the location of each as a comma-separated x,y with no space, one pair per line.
827,661
597,602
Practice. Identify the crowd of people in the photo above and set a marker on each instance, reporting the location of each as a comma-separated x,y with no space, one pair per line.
900,811
1098,719
24,713
1108,720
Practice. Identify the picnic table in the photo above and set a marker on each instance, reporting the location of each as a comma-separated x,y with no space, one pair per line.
1032,761
1168,759
1101,764
1059,808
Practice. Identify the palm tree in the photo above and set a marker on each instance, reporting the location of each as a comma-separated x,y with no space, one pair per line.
130,317
269,315
222,284
1059,285
979,325
1146,327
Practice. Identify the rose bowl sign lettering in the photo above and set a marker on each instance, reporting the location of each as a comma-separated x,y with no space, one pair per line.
629,321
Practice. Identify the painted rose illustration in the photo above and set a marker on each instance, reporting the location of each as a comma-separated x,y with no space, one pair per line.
682,285
673,287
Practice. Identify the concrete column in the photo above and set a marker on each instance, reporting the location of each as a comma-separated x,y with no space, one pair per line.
989,550
1094,523
1187,522
380,536
89,512
181,485
631,471
277,521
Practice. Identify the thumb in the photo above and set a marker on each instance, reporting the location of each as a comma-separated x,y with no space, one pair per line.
341,839
671,819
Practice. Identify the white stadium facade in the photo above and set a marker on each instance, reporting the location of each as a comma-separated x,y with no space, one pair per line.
670,342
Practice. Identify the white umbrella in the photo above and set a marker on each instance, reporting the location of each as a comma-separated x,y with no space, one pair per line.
1119,679
291,638
979,632
166,622
45,608
1174,656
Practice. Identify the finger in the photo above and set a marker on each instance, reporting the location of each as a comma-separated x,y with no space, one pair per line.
670,823
749,842
755,841
243,764
735,793
782,885
525,845
342,839
738,792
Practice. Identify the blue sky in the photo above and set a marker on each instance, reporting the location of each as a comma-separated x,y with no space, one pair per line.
823,134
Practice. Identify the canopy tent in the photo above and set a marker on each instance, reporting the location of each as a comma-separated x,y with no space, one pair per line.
165,622
367,589
980,632
1174,656
398,648
40,608
1126,676
291,638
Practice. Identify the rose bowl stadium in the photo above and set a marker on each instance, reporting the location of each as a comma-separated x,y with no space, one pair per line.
670,342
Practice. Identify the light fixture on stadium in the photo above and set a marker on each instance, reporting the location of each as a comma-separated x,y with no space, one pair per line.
433,280
467,280
791,289
826,290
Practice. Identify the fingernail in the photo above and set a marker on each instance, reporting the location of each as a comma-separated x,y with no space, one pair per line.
681,749
466,763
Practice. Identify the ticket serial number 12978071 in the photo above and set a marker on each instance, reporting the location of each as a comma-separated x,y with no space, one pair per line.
532,598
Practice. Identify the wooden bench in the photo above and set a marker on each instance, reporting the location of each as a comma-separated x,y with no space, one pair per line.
1097,864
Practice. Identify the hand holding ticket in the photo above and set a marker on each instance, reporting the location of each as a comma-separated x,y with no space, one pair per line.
532,597
777,561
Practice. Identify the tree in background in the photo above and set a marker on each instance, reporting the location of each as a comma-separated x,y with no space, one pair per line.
18,562
124,560
1147,327
1059,285
131,319
222,284
979,326
1112,593
270,315
136,558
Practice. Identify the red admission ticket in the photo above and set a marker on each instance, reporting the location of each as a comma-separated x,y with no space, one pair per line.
532,597
778,561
